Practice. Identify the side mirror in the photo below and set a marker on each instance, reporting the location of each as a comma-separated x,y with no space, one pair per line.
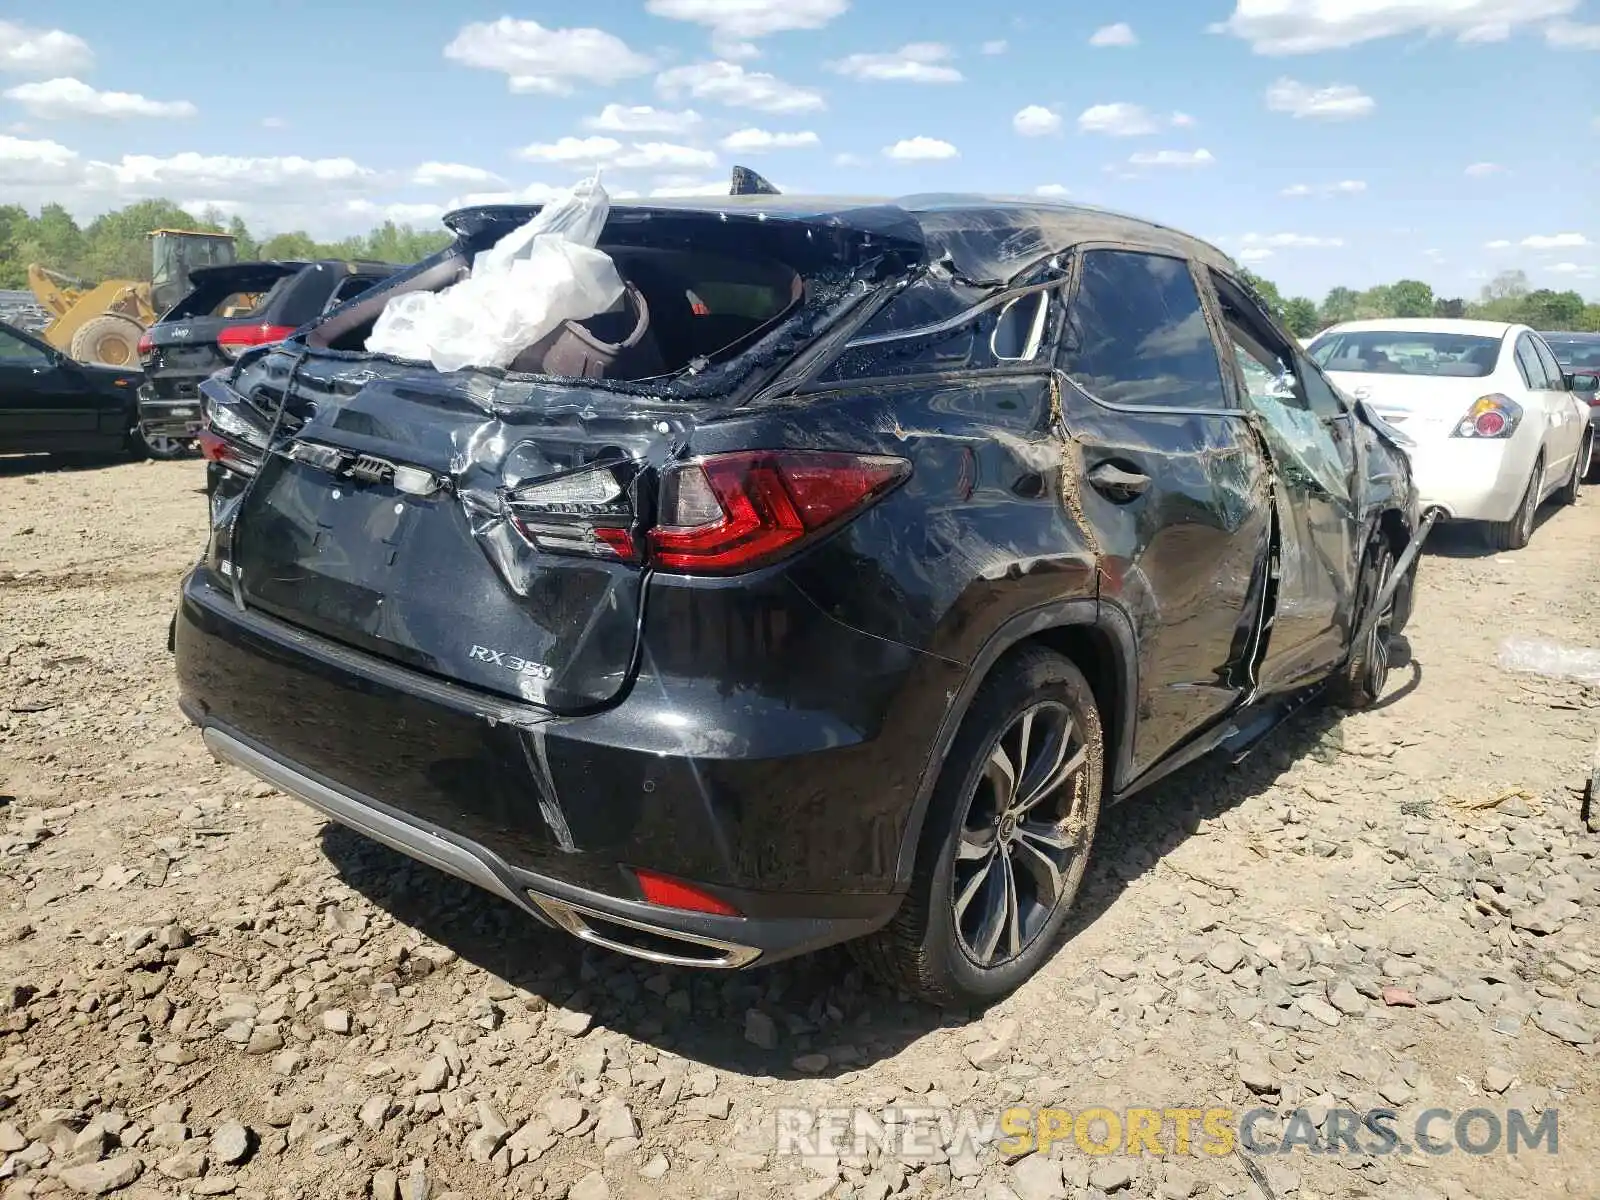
1587,381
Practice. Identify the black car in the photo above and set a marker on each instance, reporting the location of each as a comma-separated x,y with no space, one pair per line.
879,546
231,309
1579,356
50,403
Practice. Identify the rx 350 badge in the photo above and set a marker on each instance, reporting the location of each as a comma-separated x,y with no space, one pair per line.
499,658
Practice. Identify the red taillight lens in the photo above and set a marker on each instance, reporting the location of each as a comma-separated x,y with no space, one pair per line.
236,339
1490,424
732,512
667,892
212,446
146,343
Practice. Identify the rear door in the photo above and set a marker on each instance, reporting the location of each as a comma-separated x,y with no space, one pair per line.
1312,442
1573,417
1550,409
1172,486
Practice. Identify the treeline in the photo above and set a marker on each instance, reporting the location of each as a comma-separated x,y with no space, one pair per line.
1507,297
115,245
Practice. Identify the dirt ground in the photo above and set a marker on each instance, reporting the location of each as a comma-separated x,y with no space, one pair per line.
207,991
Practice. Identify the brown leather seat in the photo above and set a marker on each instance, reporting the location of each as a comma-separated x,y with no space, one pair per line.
613,345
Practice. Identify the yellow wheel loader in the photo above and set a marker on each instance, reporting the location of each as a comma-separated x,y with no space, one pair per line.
102,323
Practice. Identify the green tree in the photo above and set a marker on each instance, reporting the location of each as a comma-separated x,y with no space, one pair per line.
1410,298
1545,309
1449,308
1300,315
1266,290
1340,305
296,245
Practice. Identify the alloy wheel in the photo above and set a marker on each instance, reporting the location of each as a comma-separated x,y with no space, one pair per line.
163,447
1023,827
1530,506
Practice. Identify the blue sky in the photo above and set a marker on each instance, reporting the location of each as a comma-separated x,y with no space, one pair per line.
1322,142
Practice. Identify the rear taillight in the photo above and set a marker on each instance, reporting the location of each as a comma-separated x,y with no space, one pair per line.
236,339
586,511
732,512
147,343
230,432
1494,416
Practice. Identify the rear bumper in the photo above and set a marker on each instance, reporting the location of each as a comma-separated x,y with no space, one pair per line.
555,815
168,418
1473,479
667,936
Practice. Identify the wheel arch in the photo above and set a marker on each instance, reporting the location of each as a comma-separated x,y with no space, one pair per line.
1097,639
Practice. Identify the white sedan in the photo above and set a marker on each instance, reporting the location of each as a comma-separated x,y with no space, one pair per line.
1492,426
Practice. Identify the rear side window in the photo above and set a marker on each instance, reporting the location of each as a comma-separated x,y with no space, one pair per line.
229,298
1528,363
1552,369
352,287
1136,333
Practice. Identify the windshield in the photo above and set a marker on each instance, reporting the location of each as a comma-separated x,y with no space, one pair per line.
1390,352
1575,353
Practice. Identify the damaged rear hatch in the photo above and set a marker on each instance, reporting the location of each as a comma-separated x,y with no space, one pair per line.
492,527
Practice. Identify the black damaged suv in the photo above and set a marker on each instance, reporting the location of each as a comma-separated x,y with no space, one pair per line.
877,550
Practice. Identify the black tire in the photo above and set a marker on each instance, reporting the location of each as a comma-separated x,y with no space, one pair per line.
1593,475
1516,533
928,949
1568,495
1359,683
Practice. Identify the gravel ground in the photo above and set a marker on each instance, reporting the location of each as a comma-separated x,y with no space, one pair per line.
204,990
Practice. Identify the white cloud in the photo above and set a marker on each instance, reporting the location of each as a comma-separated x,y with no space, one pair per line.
1120,34
551,61
1569,35
1276,27
1254,254
730,84
26,162
641,118
1182,120
656,156
1344,187
1498,244
1479,169
1174,158
1339,101
1036,121
709,187
1554,241
1566,268
148,175
1289,241
998,46
569,150
847,159
921,149
736,23
754,141
25,50
915,62
437,174
274,123
1052,191
533,193
1117,120
605,151
54,99
400,214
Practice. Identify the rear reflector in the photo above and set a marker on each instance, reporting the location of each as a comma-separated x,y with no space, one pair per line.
667,892
236,339
732,512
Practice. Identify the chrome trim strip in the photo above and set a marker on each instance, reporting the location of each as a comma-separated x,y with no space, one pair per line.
952,323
